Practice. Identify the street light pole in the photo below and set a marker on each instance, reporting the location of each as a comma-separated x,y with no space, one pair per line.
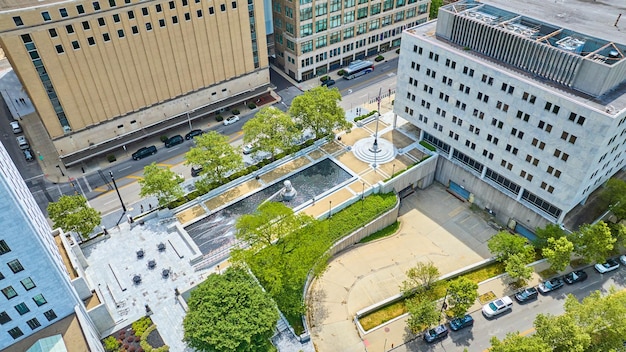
188,118
118,191
330,208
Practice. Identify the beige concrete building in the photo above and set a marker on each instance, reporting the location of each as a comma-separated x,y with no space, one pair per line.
315,36
105,73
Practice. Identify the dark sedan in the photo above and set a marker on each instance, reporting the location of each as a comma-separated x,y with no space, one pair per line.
551,285
193,133
574,277
526,295
457,324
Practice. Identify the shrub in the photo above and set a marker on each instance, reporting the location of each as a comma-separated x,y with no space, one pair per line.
235,111
111,344
111,158
137,338
324,78
146,346
132,349
141,325
341,72
363,117
379,58
219,118
130,339
428,146
126,346
163,138
251,106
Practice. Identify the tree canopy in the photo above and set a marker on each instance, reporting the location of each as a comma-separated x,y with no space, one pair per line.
593,242
462,293
420,277
614,197
550,231
162,183
504,244
318,109
215,155
72,213
422,314
230,312
558,252
271,131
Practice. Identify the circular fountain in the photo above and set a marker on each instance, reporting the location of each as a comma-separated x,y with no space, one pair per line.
381,152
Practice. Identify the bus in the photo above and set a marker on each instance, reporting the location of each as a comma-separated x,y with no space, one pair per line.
358,68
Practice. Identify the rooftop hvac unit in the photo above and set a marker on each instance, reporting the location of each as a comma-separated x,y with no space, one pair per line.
571,44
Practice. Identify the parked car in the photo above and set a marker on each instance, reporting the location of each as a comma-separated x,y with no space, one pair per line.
144,152
497,306
436,333
196,170
15,126
174,140
527,294
610,265
329,82
28,154
231,120
247,149
194,133
622,259
550,285
574,277
22,142
457,324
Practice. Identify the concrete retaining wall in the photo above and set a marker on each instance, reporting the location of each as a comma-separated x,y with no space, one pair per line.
421,176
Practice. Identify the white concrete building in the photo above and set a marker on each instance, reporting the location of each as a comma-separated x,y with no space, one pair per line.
35,285
525,100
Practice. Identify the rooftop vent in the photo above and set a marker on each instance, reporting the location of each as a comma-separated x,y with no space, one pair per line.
571,44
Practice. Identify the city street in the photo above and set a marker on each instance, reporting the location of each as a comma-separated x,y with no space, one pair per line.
521,317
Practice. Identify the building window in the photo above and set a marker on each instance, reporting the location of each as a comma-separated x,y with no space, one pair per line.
86,25
116,18
22,308
75,44
172,5
15,332
15,266
4,318
80,9
158,8
96,6
18,21
148,26
46,16
161,23
211,10
233,4
69,28
63,12
222,7
120,33
134,29
53,34
4,247
144,11
199,13
9,292
50,315
39,300
33,323
174,19
91,41
59,49
187,17
112,3
101,21
131,15
106,37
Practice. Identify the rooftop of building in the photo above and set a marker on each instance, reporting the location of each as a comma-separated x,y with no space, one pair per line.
537,19
68,327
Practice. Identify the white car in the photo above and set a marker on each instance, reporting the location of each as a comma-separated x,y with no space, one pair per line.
247,149
231,120
497,306
610,265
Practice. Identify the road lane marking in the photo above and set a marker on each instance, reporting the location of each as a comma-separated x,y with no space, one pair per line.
164,165
126,168
109,202
133,177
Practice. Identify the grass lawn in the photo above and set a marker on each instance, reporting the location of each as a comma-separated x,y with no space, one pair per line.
387,231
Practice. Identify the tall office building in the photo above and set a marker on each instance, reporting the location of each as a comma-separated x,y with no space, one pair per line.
314,36
105,73
525,100
35,285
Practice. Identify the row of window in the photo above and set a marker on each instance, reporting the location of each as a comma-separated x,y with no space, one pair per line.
80,9
33,323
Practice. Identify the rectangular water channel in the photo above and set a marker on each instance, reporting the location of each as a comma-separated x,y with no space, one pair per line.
217,230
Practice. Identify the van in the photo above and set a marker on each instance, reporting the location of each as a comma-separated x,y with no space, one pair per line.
144,152
15,126
22,142
175,140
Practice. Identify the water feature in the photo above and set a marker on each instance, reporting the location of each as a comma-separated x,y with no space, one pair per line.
216,231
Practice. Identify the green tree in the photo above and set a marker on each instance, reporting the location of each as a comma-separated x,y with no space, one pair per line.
614,195
558,252
593,242
270,222
318,109
462,293
618,231
504,244
420,277
550,231
422,314
517,343
562,333
162,183
72,213
271,131
230,312
516,267
215,155
434,8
